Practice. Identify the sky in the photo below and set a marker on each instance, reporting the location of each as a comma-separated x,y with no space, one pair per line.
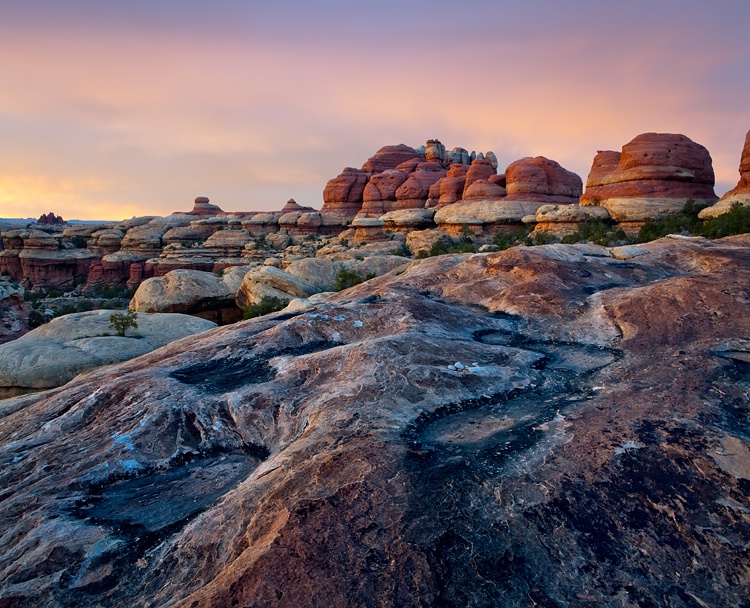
121,108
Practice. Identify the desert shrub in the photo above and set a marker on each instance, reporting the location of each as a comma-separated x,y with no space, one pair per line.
260,242
112,291
344,242
686,222
402,250
735,221
347,278
598,232
122,321
36,318
267,305
79,242
439,248
505,241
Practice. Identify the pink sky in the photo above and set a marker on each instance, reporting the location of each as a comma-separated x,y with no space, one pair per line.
109,110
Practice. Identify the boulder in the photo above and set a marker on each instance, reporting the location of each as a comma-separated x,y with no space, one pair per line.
193,292
53,354
405,220
268,281
420,242
740,193
654,175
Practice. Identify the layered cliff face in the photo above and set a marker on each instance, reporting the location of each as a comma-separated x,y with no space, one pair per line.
562,425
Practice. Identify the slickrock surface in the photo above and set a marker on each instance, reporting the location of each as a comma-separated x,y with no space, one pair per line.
545,426
56,352
654,175
740,193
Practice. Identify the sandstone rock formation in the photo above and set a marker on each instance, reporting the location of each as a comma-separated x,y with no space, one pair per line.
343,194
547,426
56,352
655,174
191,292
740,193
50,219
540,179
390,157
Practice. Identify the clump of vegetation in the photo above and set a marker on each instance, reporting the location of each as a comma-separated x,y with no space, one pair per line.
598,232
735,221
686,222
503,240
79,242
346,278
122,321
36,318
260,242
267,305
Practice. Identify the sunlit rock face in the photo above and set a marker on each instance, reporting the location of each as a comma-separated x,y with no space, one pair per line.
562,425
740,193
653,175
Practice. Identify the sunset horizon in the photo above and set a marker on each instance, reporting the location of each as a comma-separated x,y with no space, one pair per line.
111,112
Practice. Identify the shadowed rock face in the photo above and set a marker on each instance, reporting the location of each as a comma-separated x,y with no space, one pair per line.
559,426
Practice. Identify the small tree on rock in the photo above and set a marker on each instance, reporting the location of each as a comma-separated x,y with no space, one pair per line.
122,321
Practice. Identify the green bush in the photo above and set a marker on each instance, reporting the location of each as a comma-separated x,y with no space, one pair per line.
735,221
79,242
36,318
122,321
346,278
505,241
598,232
267,305
686,222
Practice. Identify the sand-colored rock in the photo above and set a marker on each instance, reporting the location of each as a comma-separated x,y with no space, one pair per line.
192,292
56,352
506,210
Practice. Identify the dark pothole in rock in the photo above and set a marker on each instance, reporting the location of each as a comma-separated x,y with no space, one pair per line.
231,373
152,504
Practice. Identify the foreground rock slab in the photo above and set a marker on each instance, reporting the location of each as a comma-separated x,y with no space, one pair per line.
541,426
55,353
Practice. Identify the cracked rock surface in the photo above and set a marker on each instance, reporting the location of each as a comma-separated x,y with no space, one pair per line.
550,426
